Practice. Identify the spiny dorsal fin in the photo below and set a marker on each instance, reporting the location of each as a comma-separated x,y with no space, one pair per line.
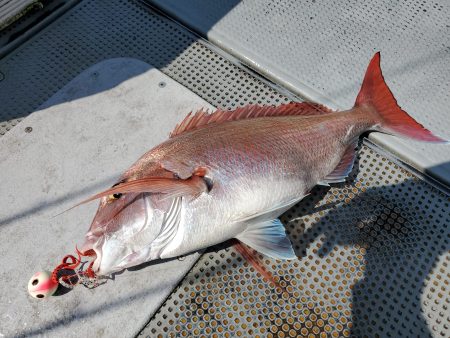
202,118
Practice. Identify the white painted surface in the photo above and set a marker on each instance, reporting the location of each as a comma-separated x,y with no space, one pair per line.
93,129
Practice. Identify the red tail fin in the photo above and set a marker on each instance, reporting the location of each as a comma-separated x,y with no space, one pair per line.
375,93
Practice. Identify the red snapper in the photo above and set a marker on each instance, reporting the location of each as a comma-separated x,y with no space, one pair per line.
230,174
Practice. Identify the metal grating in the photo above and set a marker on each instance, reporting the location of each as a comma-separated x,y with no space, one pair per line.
39,68
374,257
374,253
320,50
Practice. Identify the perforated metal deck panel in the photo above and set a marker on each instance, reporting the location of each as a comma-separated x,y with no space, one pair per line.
410,251
373,262
320,50
93,31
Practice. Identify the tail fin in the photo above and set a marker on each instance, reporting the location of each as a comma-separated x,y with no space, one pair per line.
375,93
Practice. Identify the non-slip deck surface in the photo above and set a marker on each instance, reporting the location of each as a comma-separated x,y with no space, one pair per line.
387,247
373,262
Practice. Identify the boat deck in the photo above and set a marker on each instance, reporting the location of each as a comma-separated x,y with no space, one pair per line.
373,252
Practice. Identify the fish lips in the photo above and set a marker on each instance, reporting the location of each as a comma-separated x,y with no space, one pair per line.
113,256
123,234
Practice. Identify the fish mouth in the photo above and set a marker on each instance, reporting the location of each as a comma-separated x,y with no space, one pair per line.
111,256
93,243
97,247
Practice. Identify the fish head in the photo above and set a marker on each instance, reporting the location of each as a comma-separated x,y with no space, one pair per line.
123,230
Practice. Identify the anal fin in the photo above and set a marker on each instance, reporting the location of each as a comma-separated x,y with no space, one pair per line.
344,167
268,238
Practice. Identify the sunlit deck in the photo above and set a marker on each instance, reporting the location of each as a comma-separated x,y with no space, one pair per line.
373,253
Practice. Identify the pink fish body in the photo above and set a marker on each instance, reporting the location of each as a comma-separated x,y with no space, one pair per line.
231,174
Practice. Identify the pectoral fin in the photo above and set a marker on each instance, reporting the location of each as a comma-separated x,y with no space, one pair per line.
269,238
170,187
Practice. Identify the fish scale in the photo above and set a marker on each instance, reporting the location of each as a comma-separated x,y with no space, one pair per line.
255,170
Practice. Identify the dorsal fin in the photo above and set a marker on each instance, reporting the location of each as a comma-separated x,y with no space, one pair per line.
202,118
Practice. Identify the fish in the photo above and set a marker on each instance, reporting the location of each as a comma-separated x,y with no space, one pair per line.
230,175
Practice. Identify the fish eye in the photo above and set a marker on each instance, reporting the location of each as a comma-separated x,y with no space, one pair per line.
115,196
